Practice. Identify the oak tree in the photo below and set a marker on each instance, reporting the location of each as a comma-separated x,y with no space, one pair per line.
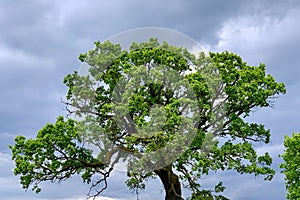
161,112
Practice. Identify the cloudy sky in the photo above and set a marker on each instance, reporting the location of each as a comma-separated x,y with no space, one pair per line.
40,41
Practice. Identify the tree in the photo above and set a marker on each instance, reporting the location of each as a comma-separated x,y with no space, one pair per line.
290,167
159,109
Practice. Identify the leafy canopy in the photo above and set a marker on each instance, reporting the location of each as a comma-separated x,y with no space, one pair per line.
159,108
290,167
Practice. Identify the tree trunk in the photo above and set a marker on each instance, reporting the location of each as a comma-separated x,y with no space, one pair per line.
171,183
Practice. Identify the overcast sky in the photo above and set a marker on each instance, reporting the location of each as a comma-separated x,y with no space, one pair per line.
40,42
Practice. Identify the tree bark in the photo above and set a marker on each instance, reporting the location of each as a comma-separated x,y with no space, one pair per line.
171,183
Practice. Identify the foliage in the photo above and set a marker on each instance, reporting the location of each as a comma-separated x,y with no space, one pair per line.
54,156
291,165
140,105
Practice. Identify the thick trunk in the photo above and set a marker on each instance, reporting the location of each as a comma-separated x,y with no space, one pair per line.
171,183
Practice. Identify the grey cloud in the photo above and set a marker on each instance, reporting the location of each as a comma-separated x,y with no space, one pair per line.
34,23
198,19
27,24
29,90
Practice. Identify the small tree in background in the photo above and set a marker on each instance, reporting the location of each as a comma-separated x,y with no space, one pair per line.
291,165
161,111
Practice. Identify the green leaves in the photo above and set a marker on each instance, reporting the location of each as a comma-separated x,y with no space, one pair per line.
290,167
54,155
246,86
208,194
